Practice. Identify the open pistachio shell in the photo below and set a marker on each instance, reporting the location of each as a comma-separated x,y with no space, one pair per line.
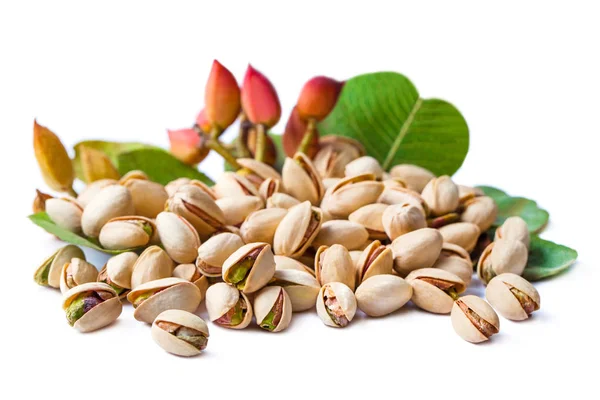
502,256
352,193
364,165
336,305
435,290
391,182
415,177
400,219
213,253
250,267
76,272
455,259
370,216
399,195
282,200
128,232
283,263
376,259
260,225
463,234
333,264
474,320
93,189
152,264
228,307
180,332
297,230
48,274
330,182
382,295
512,296
335,152
178,237
268,188
301,180
302,287
514,228
148,197
257,172
466,193
117,272
175,184
65,212
273,308
231,184
134,174
236,209
111,202
481,211
349,234
416,249
91,306
441,195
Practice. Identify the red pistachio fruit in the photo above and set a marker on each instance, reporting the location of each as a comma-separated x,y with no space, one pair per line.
318,97
294,133
259,99
203,122
186,145
221,97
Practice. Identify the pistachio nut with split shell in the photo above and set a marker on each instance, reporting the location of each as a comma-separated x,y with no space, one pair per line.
382,295
268,188
399,195
250,267
65,212
180,332
364,165
441,195
152,298
129,232
236,209
415,177
502,256
111,202
191,273
455,259
355,256
335,152
415,250
198,208
443,220
392,182
301,180
117,272
302,287
352,193
481,211
228,307
284,263
175,184
213,253
154,263
231,184
272,309
134,174
435,290
282,200
76,272
466,193
336,305
260,226
376,259
204,187
400,219
333,264
330,182
92,190
148,197
349,234
297,230
256,171
49,273
463,234
514,228
91,306
512,296
474,320
178,237
370,216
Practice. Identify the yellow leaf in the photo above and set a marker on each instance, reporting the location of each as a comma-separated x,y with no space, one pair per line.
96,165
53,159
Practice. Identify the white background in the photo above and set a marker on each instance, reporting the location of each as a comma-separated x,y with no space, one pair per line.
525,76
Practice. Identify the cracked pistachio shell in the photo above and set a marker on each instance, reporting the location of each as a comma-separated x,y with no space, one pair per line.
282,200
221,298
473,319
416,249
170,342
265,302
164,294
400,219
236,209
178,237
260,225
333,264
301,286
512,296
335,152
92,190
65,212
349,234
301,180
268,188
154,263
514,228
285,263
352,193
466,193
198,208
213,253
376,259
364,165
415,177
256,171
463,234
391,182
118,270
191,273
148,197
76,272
455,259
500,257
133,174
204,187
49,273
430,297
175,184
345,304
382,295
102,314
297,230
355,256
481,211
441,195
399,195
330,182
261,270
370,216
231,184
111,202
127,232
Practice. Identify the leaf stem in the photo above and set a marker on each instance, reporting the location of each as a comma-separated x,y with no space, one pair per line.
261,143
242,148
215,145
308,135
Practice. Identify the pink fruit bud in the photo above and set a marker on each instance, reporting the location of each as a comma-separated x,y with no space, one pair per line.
221,97
202,122
259,99
187,145
318,97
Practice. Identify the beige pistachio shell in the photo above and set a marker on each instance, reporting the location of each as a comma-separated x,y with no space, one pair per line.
463,234
301,286
260,170
282,200
54,265
376,259
231,184
512,296
333,264
220,298
473,319
65,212
502,256
392,182
400,195
111,202
284,263
349,234
301,180
152,264
204,187
99,316
262,269
382,295
198,208
191,273
481,211
335,152
428,296
260,225
400,219
370,216
297,230
133,174
441,195
174,185
178,237
265,300
415,177
416,249
352,193
92,190
268,188
466,193
344,304
213,253
355,256
330,182
129,232
514,228
171,343
236,209
148,197
120,268
75,273
455,259
364,165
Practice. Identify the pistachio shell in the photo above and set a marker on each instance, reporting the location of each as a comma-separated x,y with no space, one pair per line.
231,184
188,272
178,237
268,188
376,259
335,152
260,225
265,302
175,184
441,195
415,250
152,264
364,165
213,253
129,232
382,295
297,230
466,193
333,264
330,182
342,303
75,273
261,271
349,234
370,216
221,298
111,202
120,267
392,182
463,234
480,312
355,256
91,190
430,297
399,195
512,296
133,174
282,200
236,209
502,256
49,272
204,187
481,211
301,286
148,197
415,177
285,263
260,170
100,315
400,219
514,228
170,342
352,193
65,212
197,207
455,259
301,180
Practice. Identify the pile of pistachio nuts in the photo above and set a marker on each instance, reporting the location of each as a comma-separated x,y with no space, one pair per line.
335,234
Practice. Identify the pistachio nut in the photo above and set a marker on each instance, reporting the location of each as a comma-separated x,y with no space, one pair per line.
333,264
481,211
400,219
204,187
336,305
129,232
65,212
91,306
382,295
273,308
463,234
260,225
501,256
355,256
335,152
392,182
117,272
48,274
297,230
151,298
191,273
352,193
180,332
455,259
301,180
364,165
178,237
474,320
228,307
134,174
256,171
443,220
282,200
231,184
197,207
39,201
213,253
111,202
175,184
376,259
416,249
91,190
285,263
466,193
236,209
148,197
514,228
301,286
349,234
441,195
399,195
154,263
370,216
512,296
250,267
268,188
76,272
435,290
415,177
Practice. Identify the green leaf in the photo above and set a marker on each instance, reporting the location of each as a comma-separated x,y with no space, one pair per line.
384,112
547,259
160,165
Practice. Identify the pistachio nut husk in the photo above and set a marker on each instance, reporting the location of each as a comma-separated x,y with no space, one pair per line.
514,228
117,272
301,180
364,165
54,162
400,219
260,225
65,212
129,232
111,202
151,298
91,190
175,184
352,193
376,259
228,307
148,197
273,308
441,195
178,237
370,216
250,267
474,320
349,234
282,200
382,295
180,332
512,296
416,249
333,264
213,253
336,305
39,202
154,263
502,256
301,286
335,152
231,184
463,234
415,177
268,188
481,211
284,263
435,290
49,273
400,195
76,272
330,182
134,174
297,230
236,209
455,259
256,171
466,193
91,306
